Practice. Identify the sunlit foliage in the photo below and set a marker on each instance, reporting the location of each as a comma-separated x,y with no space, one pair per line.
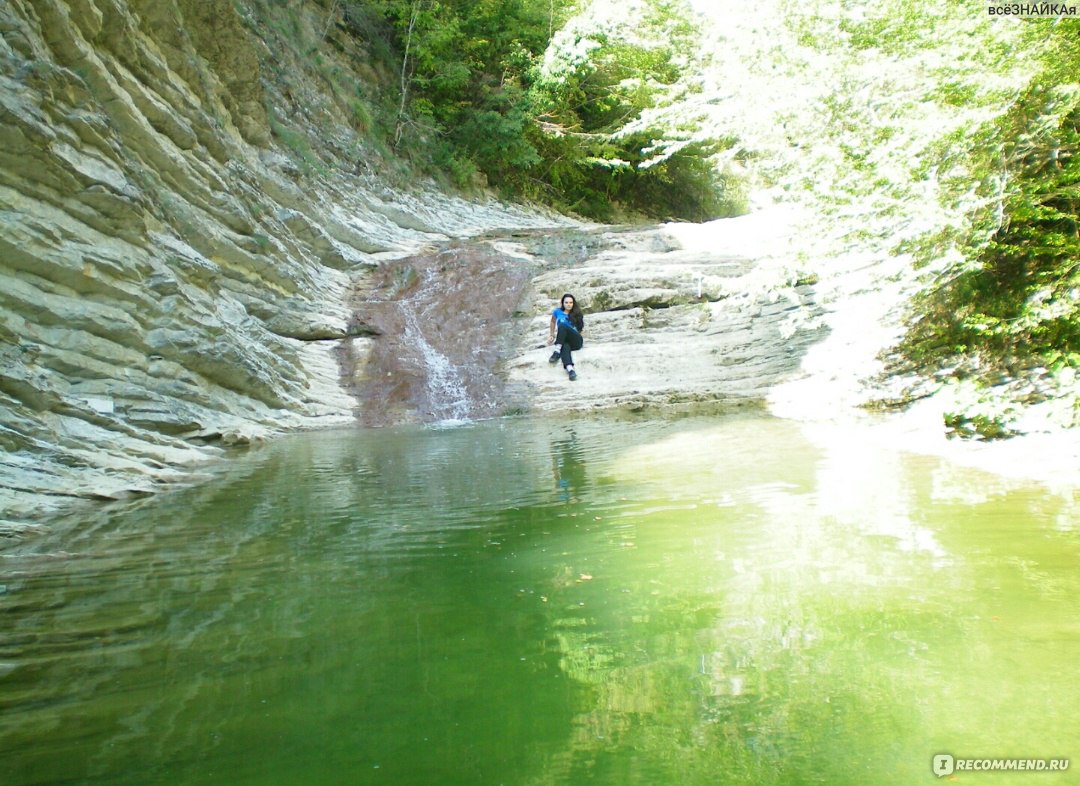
1014,302
538,103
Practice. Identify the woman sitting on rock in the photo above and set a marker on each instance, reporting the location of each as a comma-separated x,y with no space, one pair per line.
567,322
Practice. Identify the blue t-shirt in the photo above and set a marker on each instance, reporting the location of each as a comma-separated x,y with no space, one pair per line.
562,318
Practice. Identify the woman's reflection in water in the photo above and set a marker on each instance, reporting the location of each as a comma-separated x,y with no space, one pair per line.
568,467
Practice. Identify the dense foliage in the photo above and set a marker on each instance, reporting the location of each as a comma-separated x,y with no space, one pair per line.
1013,304
510,94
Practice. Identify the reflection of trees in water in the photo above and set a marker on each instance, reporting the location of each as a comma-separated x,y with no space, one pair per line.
744,667
800,648
761,702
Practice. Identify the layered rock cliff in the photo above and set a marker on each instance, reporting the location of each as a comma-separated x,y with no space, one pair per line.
173,261
202,244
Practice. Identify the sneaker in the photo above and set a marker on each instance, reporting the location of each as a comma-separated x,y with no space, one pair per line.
554,357
573,375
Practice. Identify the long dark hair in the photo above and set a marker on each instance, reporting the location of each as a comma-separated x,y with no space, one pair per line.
577,316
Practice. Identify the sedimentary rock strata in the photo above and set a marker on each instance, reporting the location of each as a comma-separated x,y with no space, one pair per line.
170,282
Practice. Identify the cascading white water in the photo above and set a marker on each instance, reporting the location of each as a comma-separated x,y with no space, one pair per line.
438,318
448,397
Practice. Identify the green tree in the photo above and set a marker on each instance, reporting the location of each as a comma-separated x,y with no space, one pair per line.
598,100
1014,304
550,111
458,58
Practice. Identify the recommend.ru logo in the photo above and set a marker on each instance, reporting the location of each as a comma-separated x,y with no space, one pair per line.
946,764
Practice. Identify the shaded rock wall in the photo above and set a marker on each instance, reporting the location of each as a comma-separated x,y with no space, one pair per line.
170,280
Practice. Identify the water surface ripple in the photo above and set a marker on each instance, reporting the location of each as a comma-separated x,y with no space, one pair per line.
531,601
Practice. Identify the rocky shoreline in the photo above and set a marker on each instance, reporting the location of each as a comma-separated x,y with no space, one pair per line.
181,277
172,283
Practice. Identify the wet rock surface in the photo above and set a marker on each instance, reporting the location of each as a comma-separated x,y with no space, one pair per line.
461,332
439,331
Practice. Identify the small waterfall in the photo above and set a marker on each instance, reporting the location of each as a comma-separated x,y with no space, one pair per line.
437,320
448,397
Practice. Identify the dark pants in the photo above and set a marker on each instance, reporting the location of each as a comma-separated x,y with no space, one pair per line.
569,340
